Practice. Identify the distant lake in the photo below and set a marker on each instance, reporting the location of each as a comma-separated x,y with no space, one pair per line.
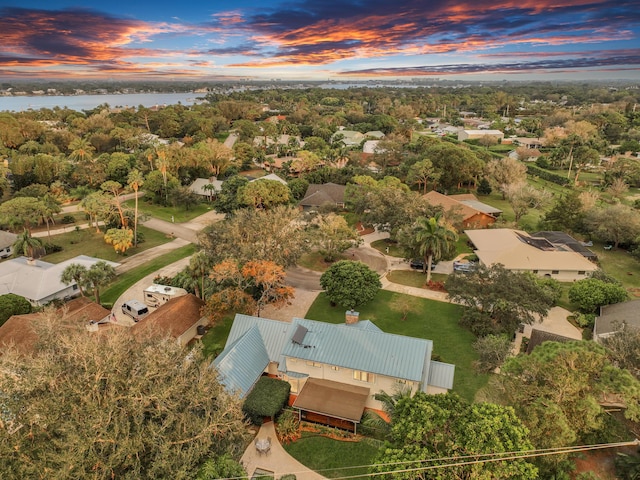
88,102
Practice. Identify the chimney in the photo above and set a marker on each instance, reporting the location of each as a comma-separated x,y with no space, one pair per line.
351,317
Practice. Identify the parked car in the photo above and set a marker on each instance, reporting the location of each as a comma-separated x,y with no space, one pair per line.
418,264
464,266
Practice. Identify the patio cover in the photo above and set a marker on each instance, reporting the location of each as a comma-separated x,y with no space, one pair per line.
334,399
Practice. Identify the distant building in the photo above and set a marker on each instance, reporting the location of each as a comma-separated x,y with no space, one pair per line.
478,134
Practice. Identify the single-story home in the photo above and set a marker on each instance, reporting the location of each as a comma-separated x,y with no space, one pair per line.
19,331
472,212
520,252
565,241
616,317
324,194
477,134
39,281
180,317
206,187
7,239
334,370
532,143
349,138
271,176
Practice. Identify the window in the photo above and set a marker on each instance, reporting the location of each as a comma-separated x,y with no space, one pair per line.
581,272
75,287
555,272
364,376
313,364
333,367
402,381
535,271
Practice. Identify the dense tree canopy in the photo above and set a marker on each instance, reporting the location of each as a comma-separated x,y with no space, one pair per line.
276,235
558,390
449,430
498,299
349,283
112,405
11,304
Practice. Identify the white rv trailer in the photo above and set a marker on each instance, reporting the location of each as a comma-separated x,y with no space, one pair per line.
156,295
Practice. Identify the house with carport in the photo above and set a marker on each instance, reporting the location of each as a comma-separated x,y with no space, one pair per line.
334,370
518,251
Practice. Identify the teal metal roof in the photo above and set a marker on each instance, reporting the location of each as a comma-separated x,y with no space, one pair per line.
362,349
274,333
242,363
441,375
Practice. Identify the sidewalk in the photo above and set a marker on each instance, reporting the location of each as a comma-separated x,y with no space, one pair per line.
277,461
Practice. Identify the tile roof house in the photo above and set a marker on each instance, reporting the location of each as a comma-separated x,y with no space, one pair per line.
520,252
473,213
7,239
18,330
180,318
344,365
616,317
39,281
325,194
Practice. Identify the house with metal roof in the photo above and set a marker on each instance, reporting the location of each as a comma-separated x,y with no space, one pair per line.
334,370
520,252
39,281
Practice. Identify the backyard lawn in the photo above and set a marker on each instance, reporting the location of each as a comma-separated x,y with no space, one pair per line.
91,243
178,214
333,458
436,321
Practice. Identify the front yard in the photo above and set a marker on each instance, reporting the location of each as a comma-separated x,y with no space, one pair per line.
436,321
91,243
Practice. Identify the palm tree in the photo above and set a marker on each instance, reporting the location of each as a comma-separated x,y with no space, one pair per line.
120,238
27,245
74,273
135,180
99,275
81,150
199,267
433,240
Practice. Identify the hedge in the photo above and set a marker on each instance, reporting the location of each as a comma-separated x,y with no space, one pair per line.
267,398
546,175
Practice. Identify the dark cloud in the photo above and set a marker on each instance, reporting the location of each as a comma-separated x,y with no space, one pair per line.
368,28
516,66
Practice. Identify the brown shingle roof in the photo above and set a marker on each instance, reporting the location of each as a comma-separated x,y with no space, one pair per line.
174,317
317,195
18,329
451,204
540,336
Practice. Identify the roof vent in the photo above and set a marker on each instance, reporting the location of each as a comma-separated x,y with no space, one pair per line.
298,336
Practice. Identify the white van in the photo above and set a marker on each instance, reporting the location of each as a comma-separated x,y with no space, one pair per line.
135,309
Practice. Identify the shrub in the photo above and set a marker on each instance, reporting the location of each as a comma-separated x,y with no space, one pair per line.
266,399
51,248
12,304
67,219
545,175
288,426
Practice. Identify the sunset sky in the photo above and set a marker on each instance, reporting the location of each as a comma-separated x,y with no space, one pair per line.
320,39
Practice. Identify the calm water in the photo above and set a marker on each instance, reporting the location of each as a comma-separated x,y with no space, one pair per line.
87,102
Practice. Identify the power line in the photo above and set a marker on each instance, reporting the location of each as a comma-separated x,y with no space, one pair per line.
457,461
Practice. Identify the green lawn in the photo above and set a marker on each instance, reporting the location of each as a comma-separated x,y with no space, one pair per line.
437,321
179,214
394,249
216,337
124,281
414,278
315,261
333,458
91,243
